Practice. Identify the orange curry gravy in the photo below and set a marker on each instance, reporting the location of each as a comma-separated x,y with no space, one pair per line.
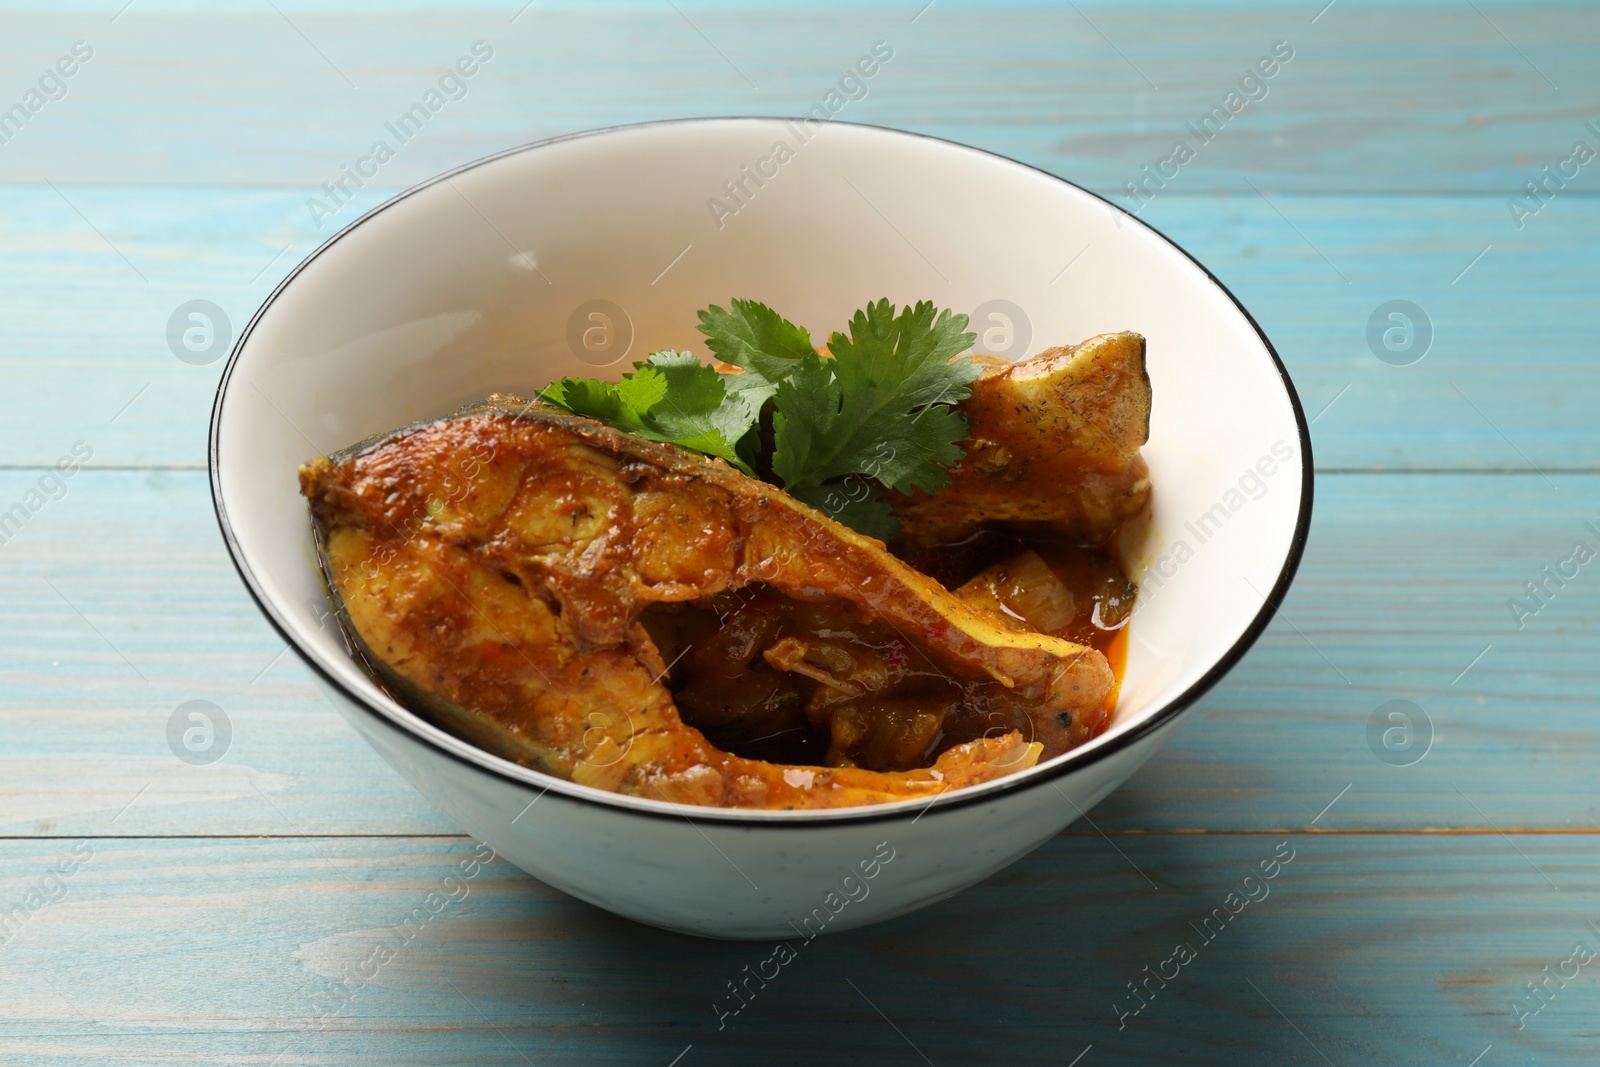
1046,584
769,676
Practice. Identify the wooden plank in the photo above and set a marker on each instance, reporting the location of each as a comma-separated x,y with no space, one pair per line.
1403,596
1510,381
123,606
1436,97
1360,950
1405,582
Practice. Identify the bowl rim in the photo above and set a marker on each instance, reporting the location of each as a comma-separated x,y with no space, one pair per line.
1068,763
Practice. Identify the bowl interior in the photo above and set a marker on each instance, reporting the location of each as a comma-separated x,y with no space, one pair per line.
581,255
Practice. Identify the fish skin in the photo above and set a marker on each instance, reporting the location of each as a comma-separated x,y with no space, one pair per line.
491,567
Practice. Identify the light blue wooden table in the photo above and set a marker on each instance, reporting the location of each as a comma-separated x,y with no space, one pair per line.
154,910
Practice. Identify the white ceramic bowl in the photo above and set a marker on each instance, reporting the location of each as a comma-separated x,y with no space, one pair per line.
487,279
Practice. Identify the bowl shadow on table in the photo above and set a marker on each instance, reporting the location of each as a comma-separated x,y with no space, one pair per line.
1030,966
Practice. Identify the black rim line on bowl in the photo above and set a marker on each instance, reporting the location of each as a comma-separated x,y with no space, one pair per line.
812,819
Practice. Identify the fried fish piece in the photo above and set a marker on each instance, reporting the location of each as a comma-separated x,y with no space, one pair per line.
1054,449
495,569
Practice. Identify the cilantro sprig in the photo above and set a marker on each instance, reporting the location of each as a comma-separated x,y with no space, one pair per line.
671,397
878,412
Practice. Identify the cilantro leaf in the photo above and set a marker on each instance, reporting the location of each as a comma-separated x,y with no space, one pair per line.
697,411
763,344
856,503
881,407
806,407
673,398
623,403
